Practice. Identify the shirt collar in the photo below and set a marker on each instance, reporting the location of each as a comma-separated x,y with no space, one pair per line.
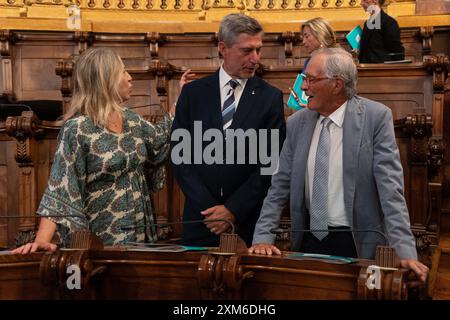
337,117
224,78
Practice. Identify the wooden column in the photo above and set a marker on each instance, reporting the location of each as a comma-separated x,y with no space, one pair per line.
24,128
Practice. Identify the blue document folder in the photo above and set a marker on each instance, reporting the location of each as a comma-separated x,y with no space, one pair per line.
354,37
301,96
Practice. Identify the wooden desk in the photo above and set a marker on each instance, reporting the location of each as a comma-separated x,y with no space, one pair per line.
116,274
20,278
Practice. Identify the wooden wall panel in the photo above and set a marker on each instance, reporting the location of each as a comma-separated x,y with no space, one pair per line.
400,104
34,74
402,94
3,196
142,96
441,41
12,187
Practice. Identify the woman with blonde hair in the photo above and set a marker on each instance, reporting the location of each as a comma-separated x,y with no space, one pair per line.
317,33
108,159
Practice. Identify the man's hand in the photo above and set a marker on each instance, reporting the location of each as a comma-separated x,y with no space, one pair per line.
419,269
264,248
218,212
355,53
34,246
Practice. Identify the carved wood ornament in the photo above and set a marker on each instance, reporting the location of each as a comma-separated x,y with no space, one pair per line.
84,40
419,126
426,34
6,74
289,38
162,71
439,65
6,39
23,128
154,39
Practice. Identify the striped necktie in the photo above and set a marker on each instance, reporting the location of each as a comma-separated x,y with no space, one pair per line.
319,200
229,106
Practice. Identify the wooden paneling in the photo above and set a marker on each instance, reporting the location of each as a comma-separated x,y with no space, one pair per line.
20,278
432,6
34,69
115,273
12,190
3,196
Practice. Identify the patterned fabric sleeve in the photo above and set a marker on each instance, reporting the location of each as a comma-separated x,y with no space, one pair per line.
157,137
64,195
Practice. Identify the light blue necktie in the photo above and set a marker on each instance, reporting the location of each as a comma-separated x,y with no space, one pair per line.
319,200
229,106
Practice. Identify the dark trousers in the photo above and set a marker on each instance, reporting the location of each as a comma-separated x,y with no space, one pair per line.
338,243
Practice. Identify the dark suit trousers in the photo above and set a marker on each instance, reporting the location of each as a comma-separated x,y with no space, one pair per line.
338,243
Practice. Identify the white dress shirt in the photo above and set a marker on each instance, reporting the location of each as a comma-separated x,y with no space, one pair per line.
336,209
374,12
224,79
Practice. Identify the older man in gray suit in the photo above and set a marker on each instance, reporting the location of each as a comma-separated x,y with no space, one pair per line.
341,168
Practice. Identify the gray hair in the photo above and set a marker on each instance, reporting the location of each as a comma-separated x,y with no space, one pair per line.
234,24
339,63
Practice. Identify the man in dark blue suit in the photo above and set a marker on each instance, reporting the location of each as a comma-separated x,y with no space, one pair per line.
232,187
380,40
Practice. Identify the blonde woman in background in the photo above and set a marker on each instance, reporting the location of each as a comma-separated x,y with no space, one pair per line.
107,162
317,33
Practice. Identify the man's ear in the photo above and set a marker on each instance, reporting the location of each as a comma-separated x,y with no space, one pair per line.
339,86
222,47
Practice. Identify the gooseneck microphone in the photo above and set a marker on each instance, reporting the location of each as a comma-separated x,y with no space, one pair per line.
233,227
126,227
163,224
279,230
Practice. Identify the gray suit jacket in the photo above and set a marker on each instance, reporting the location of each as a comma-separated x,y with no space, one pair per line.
373,180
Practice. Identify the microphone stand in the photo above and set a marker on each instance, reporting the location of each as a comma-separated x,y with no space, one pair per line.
279,230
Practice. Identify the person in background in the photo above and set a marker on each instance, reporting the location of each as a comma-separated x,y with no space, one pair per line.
108,160
380,40
317,33
340,167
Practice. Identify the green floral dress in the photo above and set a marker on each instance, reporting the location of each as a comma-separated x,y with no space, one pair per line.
102,181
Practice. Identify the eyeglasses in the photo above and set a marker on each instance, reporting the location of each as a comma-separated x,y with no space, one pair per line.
310,80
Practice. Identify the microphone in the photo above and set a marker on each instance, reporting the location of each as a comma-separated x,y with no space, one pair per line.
396,55
231,224
279,230
228,243
13,109
233,227
148,105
